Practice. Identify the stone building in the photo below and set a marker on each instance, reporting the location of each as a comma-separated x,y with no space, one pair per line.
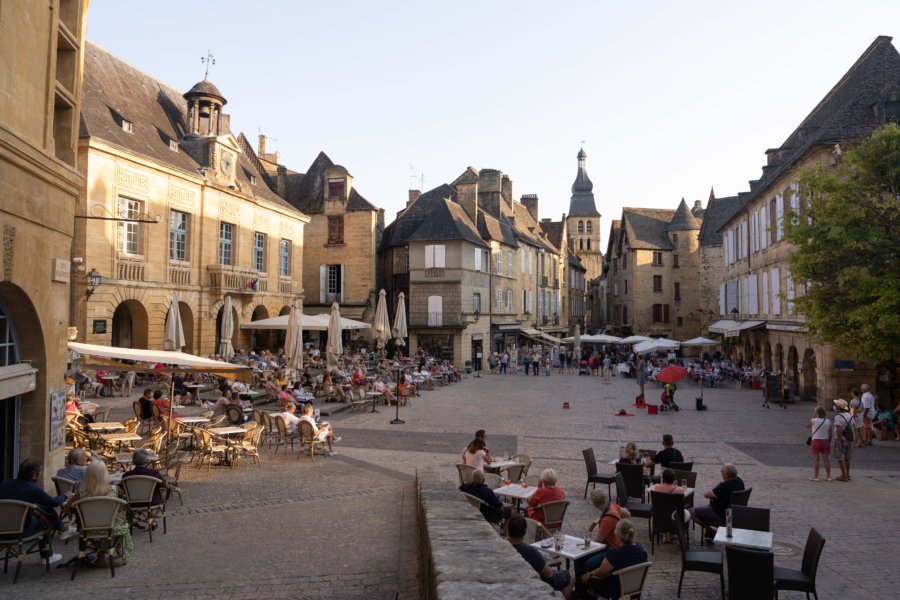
40,97
341,239
175,203
583,222
718,211
653,272
757,291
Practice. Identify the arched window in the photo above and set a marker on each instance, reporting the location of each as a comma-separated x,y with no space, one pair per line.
589,242
590,227
580,226
581,244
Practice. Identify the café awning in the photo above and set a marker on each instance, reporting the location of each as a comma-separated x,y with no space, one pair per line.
16,379
742,326
722,326
540,336
308,322
112,357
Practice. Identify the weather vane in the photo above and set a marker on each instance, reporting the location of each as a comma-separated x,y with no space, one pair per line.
208,60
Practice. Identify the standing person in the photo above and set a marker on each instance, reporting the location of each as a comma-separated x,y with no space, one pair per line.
536,363
640,373
868,414
821,442
842,446
504,363
856,412
526,360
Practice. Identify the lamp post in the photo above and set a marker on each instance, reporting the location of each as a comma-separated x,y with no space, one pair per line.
93,282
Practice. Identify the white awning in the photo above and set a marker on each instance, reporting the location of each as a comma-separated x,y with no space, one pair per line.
792,327
148,356
744,325
655,345
700,341
308,322
540,335
722,326
16,379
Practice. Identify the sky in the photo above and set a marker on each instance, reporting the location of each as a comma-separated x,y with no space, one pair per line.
667,99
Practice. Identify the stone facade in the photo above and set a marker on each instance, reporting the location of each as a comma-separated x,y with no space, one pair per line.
43,48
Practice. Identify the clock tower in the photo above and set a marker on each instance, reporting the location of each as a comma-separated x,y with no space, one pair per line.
207,136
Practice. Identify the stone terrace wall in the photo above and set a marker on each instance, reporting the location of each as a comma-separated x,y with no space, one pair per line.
461,556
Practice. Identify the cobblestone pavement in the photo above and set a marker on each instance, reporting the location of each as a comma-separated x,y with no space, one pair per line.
344,527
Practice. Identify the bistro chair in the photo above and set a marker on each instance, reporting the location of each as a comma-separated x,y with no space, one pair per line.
214,422
138,413
524,459
96,516
739,498
492,480
282,435
590,463
13,541
633,476
532,480
681,466
249,445
666,507
157,413
637,509
478,503
172,480
554,513
691,478
307,439
803,580
64,485
697,560
138,491
207,447
631,581
751,574
102,416
269,433
535,531
750,517
235,415
465,473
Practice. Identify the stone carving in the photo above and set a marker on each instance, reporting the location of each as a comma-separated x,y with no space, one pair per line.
133,179
229,209
183,197
9,251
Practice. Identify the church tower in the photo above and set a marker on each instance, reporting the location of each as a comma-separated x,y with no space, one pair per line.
583,222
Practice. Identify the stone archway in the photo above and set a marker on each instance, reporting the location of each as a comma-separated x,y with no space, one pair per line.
259,338
130,325
187,325
767,357
808,388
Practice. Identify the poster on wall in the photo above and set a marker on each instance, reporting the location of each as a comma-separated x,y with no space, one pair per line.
57,419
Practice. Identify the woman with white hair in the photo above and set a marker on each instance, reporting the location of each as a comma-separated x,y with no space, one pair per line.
547,491
96,483
630,553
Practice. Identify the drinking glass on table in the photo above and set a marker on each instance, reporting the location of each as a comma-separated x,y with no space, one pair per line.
684,485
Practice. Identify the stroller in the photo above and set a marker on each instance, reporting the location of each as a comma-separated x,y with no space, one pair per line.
667,398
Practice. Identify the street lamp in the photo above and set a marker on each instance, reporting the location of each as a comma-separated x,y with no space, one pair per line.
93,282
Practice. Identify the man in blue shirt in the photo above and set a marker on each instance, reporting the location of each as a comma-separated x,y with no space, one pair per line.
492,509
75,461
26,489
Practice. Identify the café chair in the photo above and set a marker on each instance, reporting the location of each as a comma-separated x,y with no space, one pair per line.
13,541
102,416
235,416
697,560
803,580
751,574
739,498
520,471
156,412
750,517
63,485
633,476
478,503
535,531
532,480
138,491
465,473
554,513
492,480
138,414
593,477
269,435
282,436
307,439
666,507
96,516
637,509
681,466
631,581
691,477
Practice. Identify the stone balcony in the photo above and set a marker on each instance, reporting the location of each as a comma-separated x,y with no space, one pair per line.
241,279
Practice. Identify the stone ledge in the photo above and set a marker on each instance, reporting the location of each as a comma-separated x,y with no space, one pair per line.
460,554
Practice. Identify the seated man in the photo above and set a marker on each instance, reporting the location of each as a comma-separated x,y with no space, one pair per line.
239,404
146,401
493,510
223,401
610,515
561,581
290,419
306,379
719,498
75,463
665,456
325,433
140,459
26,489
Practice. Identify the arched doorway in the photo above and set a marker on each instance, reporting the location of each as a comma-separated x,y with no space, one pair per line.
187,326
260,339
767,357
808,391
129,325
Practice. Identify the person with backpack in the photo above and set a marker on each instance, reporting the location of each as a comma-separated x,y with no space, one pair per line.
842,440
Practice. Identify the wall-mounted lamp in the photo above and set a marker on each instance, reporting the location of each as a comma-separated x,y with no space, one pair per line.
93,282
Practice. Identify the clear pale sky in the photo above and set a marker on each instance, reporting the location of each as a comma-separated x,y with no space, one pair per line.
670,98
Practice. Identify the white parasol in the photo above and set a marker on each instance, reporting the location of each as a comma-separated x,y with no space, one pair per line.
293,340
335,345
226,350
174,335
382,328
400,321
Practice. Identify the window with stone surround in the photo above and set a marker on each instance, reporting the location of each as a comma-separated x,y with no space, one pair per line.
259,251
226,243
178,234
657,283
660,313
335,189
128,233
657,258
336,230
284,258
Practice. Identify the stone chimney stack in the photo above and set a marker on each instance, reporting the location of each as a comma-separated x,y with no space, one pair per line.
531,203
262,145
698,206
467,196
413,196
506,190
280,180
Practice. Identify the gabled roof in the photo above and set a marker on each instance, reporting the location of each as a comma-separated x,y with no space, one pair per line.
683,220
526,228
553,229
646,227
497,229
718,212
433,216
307,192
113,91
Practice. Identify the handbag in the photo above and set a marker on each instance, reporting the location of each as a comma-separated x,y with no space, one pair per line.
809,439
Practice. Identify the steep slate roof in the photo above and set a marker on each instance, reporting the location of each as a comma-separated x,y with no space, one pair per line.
499,229
613,240
646,227
718,212
683,219
307,192
433,216
114,90
553,229
845,113
526,228
582,202
575,261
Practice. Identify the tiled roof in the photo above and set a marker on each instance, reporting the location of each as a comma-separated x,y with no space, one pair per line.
683,220
498,229
307,192
646,227
114,90
553,229
433,216
613,240
718,212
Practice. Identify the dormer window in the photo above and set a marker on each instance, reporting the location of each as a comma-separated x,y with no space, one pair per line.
127,126
173,145
335,189
253,179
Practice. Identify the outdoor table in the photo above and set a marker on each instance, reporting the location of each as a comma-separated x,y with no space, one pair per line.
572,547
109,426
109,381
374,396
195,391
688,492
120,438
516,491
124,458
189,420
227,430
501,465
747,538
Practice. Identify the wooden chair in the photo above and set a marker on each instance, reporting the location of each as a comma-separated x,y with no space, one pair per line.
139,490
308,439
13,541
96,516
631,581
593,477
751,574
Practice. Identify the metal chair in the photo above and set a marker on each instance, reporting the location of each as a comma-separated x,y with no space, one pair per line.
666,507
803,580
96,517
139,415
751,574
590,463
750,517
465,473
139,490
282,435
631,581
13,540
697,560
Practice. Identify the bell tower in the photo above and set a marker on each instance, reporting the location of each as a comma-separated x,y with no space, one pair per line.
583,221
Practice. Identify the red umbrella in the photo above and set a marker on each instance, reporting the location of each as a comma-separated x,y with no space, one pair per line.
671,374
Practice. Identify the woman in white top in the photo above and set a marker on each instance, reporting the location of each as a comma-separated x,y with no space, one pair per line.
821,442
477,455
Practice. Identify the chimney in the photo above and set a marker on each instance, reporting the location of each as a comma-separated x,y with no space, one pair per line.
698,206
506,190
280,178
413,196
262,145
467,197
531,203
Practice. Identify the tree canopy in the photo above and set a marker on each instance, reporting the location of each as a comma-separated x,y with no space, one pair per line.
847,248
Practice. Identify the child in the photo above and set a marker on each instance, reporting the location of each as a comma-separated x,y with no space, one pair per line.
884,422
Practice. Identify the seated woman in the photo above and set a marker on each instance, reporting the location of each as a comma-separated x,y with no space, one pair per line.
324,433
385,391
162,401
359,379
547,491
284,396
630,553
272,389
96,483
670,486
477,455
73,408
337,390
631,456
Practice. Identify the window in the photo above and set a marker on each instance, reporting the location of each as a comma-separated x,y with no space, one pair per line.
657,283
590,227
336,230
509,301
624,315
657,258
680,321
477,259
499,262
580,226
177,235
435,311
675,261
524,302
226,244
522,259
259,251
509,264
660,313
173,145
127,126
625,261
128,233
476,302
530,301
625,291
284,259
499,300
253,180
434,256
334,280
589,244
581,244
530,262
674,238
772,222
677,291
335,189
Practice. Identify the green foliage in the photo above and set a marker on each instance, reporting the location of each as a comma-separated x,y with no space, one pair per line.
847,250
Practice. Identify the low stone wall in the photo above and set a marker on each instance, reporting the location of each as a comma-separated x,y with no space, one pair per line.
460,554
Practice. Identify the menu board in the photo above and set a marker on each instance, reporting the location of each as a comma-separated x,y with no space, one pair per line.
57,419
774,387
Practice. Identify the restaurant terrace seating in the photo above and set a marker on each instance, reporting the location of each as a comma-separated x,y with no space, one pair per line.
308,439
750,517
697,560
554,513
751,573
691,478
638,510
665,508
142,422
803,580
492,480
681,466
96,516
465,473
13,541
138,491
235,415
282,435
739,498
631,581
593,477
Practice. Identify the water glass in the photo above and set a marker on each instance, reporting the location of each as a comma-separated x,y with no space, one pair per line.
684,485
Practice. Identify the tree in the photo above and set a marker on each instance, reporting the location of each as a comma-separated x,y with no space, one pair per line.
847,248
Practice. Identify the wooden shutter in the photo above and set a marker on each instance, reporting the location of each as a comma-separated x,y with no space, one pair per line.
323,283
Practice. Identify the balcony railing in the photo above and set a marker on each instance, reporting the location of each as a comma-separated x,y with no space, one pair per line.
130,268
242,279
544,280
179,274
285,286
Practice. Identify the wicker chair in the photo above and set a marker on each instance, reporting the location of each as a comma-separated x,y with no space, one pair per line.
249,445
269,432
138,413
96,517
593,477
283,437
492,480
631,581
13,541
465,473
207,447
554,513
308,439
139,491
235,416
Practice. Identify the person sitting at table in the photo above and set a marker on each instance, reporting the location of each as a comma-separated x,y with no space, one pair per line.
26,489
290,419
359,379
559,580
547,491
410,383
883,422
162,401
481,435
178,382
140,459
493,509
326,432
284,396
630,553
146,401
670,486
336,389
96,483
223,401
665,456
719,498
610,515
477,455
306,379
384,390
631,456
74,469
239,404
